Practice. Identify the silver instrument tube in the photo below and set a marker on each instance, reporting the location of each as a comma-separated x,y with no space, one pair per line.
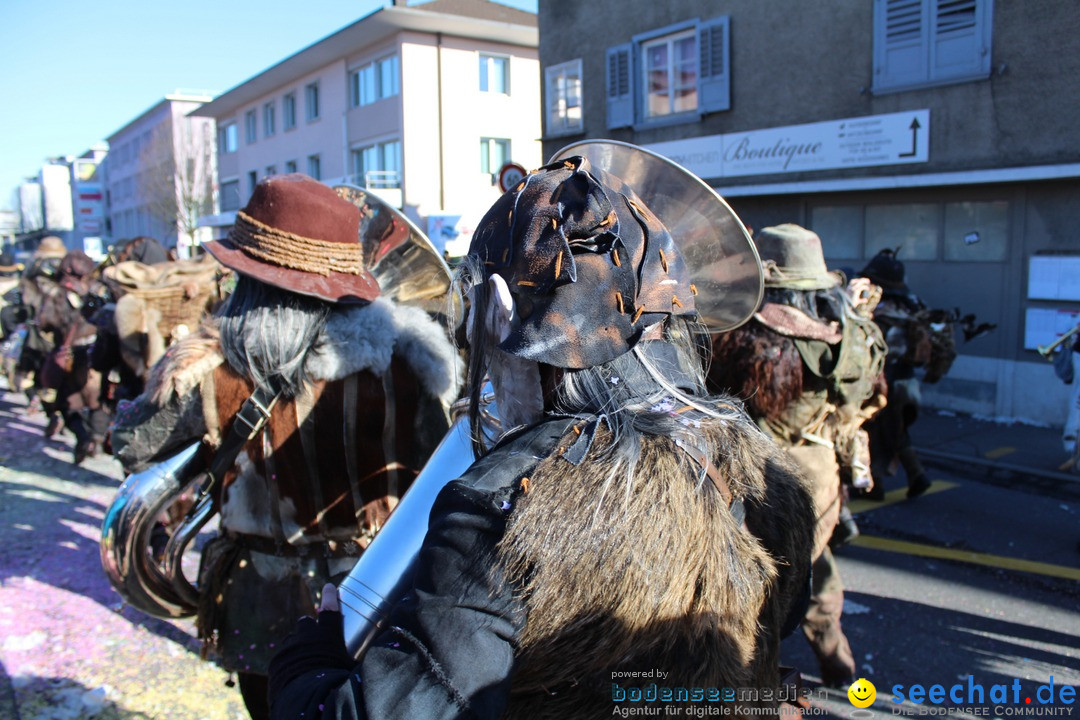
125,536
384,572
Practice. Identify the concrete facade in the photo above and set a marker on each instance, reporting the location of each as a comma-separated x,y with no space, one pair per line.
421,134
159,172
989,199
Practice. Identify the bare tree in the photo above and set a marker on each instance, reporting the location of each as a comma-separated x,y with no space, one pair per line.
177,183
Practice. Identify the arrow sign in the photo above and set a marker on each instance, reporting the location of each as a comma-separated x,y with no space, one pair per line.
914,127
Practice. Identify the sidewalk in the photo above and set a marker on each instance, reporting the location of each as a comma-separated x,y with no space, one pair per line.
997,444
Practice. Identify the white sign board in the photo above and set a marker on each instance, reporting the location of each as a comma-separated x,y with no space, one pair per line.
893,139
1044,326
1054,278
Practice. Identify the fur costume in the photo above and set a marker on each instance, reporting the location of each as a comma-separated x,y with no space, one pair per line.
304,498
654,574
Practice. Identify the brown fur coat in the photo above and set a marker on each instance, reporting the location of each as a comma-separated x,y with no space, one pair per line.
655,573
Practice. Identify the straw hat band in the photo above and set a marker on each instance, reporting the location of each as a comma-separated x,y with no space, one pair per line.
285,249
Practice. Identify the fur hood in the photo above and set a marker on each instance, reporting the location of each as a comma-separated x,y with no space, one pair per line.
354,339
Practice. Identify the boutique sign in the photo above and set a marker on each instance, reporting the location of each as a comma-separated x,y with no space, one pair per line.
893,139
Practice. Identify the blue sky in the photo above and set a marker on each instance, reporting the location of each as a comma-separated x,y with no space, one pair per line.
72,72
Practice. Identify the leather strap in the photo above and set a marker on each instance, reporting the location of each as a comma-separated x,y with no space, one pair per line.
247,424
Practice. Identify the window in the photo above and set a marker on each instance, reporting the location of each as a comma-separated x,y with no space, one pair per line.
840,230
563,83
271,170
375,81
913,227
378,165
311,101
290,166
495,74
670,74
960,230
494,153
227,139
680,71
269,119
919,43
314,167
250,127
253,180
230,195
288,111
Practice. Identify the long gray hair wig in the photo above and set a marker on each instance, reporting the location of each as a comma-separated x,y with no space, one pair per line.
267,332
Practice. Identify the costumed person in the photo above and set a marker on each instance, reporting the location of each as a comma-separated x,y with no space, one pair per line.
68,382
9,288
12,317
362,386
625,521
810,370
1067,368
39,282
917,338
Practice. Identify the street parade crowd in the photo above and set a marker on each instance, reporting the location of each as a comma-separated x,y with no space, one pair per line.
649,491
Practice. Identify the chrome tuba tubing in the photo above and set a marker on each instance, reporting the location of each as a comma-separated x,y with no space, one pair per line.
125,538
383,574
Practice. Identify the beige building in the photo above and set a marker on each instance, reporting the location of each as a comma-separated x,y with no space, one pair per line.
421,104
159,174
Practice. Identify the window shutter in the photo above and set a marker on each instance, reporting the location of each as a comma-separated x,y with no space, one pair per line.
901,40
714,80
620,86
961,39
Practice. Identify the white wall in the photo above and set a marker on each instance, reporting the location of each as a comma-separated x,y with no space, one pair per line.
1028,391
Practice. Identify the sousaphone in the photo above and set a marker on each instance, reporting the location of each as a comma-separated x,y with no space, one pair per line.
409,271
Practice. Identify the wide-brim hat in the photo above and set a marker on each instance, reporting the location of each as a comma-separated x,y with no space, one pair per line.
50,246
886,270
299,235
792,257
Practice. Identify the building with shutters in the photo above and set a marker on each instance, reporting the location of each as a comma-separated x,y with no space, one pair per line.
943,127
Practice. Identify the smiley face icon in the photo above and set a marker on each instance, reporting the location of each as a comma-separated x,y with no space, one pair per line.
862,693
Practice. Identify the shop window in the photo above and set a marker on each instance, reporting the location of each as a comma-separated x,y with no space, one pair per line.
913,228
840,229
976,231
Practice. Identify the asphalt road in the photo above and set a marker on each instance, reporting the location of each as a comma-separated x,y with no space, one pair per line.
975,582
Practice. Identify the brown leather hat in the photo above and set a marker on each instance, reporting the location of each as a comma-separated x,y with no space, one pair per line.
589,265
299,235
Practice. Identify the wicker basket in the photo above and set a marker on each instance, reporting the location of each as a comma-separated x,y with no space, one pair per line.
176,305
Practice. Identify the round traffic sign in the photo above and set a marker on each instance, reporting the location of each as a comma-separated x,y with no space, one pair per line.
510,175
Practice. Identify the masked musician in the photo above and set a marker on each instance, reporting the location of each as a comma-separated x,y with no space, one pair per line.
629,521
810,367
363,387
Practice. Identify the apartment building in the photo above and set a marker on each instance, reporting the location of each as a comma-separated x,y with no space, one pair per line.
421,104
67,200
943,127
160,174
